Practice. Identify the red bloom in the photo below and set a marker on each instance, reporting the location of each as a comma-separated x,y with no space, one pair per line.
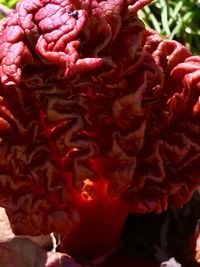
99,117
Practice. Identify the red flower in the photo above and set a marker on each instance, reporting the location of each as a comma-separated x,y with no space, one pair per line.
99,117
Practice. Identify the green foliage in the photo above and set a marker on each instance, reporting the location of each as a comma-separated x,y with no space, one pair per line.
175,19
9,3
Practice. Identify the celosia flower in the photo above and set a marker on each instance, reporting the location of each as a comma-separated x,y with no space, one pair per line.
99,117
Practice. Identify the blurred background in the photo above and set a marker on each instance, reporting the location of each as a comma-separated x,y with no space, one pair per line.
178,20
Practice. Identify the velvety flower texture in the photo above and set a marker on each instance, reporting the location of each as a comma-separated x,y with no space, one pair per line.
98,117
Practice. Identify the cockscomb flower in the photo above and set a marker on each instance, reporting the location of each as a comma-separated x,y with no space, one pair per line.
99,117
